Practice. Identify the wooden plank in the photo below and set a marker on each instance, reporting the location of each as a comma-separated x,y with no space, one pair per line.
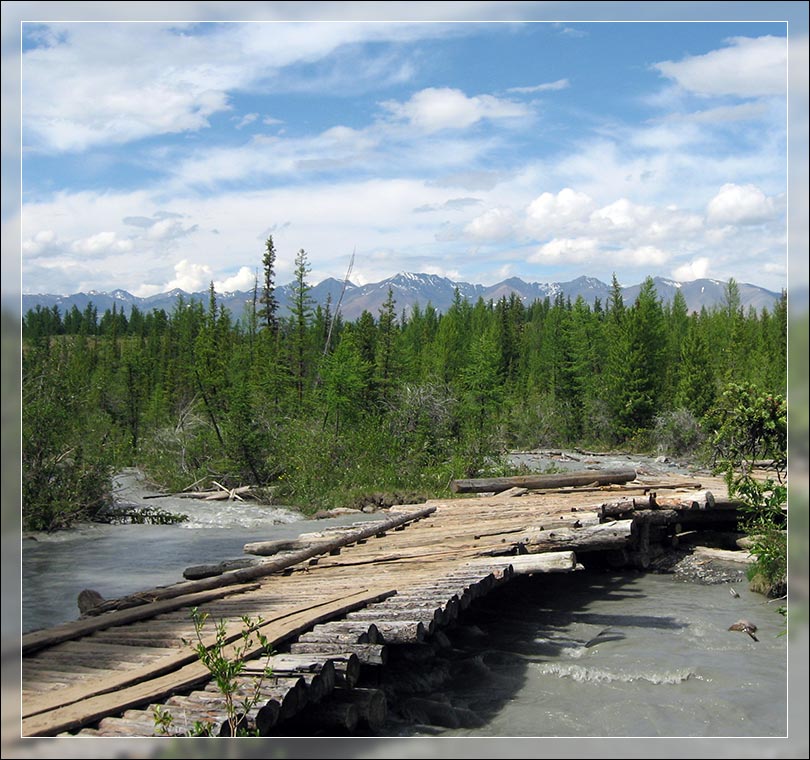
37,640
73,708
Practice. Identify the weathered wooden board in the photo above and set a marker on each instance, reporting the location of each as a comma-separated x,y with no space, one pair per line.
36,640
70,709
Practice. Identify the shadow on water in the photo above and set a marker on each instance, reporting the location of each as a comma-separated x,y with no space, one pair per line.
465,675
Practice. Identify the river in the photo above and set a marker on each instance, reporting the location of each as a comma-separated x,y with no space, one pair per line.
665,664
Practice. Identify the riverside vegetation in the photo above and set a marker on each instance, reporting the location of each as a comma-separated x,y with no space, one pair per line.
322,412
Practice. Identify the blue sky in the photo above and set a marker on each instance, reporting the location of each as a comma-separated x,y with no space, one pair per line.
162,155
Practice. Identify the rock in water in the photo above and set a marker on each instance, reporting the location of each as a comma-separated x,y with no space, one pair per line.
88,599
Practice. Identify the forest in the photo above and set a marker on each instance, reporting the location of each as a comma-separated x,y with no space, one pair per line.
322,412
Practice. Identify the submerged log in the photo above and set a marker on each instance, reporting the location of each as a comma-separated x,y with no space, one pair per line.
269,548
580,478
209,571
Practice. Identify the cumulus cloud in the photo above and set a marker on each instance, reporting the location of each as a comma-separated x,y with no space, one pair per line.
696,269
102,243
565,250
551,211
622,214
493,224
42,242
188,276
242,280
438,108
740,204
560,84
747,67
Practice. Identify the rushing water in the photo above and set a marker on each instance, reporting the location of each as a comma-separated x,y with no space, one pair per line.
525,662
116,560
660,660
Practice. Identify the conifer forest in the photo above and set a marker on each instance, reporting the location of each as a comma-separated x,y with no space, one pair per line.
319,411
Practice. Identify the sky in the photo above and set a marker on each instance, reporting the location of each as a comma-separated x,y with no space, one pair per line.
161,155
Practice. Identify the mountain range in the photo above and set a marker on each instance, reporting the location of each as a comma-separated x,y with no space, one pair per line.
409,289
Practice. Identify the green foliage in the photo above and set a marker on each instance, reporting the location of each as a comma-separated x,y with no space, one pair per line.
677,433
225,661
749,431
387,404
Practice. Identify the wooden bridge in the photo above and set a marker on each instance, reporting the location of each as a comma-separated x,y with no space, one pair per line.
334,605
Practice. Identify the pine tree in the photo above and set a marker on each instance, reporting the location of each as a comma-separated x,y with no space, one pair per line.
696,389
268,299
385,345
300,318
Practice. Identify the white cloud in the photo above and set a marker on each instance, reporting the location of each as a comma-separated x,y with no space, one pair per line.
642,256
740,204
566,250
748,67
168,229
493,224
111,83
560,84
188,276
549,212
248,118
696,269
622,214
242,280
39,243
438,108
101,243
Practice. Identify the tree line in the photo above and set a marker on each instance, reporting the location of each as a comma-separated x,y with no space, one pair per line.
324,410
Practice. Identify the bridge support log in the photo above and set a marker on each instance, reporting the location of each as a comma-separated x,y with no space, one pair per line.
372,706
368,654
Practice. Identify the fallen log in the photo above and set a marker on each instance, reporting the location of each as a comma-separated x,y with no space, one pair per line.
579,478
269,548
610,535
247,574
550,562
697,500
196,572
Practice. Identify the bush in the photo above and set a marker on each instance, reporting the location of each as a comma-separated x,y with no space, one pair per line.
677,433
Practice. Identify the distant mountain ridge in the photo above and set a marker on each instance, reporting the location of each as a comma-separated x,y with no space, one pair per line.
410,288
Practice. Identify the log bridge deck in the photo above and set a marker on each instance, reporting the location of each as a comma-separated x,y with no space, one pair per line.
334,603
